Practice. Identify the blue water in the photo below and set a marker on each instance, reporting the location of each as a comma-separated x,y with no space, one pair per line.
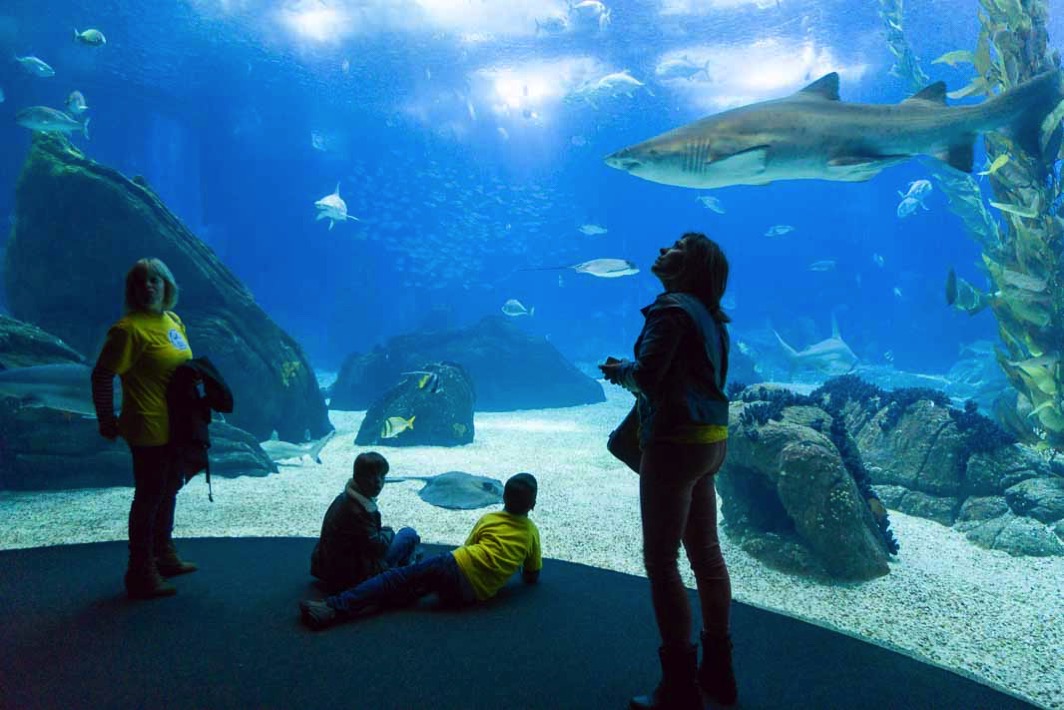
216,103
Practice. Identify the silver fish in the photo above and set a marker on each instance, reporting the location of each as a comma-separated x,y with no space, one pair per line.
813,135
606,268
65,387
75,104
48,120
35,66
514,308
93,38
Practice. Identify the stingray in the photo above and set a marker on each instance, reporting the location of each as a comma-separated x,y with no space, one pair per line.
457,490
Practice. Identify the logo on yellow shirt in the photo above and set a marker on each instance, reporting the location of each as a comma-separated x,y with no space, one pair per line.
177,340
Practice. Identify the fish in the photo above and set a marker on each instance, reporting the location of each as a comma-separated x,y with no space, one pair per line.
514,308
66,387
554,24
428,381
918,189
999,162
823,265
48,120
811,134
591,11
456,490
333,208
35,66
682,68
609,86
778,230
394,426
831,356
93,38
711,203
603,268
592,229
908,206
878,260
964,297
1,96
897,293
279,451
75,104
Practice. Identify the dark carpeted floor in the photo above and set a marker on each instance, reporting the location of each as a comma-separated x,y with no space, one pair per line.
231,638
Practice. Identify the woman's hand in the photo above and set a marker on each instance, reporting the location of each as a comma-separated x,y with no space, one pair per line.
611,369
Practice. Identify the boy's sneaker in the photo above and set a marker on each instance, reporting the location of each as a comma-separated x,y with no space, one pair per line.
317,615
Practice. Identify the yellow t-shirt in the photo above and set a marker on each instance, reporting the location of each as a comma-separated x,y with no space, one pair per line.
499,544
144,349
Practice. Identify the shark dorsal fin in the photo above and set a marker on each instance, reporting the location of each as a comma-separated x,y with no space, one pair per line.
273,435
337,190
932,94
826,87
835,328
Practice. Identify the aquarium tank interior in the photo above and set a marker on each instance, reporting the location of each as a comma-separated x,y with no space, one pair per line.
419,227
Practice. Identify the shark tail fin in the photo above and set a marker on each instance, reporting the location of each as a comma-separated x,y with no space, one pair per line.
1028,105
76,34
315,452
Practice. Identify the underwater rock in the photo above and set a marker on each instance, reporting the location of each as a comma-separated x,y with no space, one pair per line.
510,368
430,406
977,509
1018,536
87,222
1038,498
24,345
786,478
46,448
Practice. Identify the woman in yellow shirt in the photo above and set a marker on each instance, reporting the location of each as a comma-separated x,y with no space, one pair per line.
144,348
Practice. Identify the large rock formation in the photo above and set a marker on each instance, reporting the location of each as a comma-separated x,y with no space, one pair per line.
439,404
48,448
510,369
79,227
26,345
790,498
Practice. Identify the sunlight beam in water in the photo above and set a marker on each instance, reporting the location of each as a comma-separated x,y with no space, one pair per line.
316,21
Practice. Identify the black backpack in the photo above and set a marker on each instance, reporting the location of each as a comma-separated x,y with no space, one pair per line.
195,389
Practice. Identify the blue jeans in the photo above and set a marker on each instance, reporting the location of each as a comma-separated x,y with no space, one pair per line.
402,548
400,585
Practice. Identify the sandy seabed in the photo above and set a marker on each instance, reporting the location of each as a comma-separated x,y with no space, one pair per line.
984,614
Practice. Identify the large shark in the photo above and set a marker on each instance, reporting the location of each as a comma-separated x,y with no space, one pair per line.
813,135
832,356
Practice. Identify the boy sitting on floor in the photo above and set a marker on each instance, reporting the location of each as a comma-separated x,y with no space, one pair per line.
353,545
499,544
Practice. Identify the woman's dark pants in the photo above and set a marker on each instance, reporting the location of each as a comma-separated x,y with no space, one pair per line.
678,504
156,480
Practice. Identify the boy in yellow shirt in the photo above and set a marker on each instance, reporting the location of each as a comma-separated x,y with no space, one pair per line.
499,544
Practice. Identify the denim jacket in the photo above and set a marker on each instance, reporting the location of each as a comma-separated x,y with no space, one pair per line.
680,367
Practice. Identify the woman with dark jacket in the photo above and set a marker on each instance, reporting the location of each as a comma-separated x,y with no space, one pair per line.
678,376
144,347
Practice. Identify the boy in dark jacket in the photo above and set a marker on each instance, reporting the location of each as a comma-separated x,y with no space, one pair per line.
353,545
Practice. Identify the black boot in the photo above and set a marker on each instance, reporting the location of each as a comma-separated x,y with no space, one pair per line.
143,581
678,689
169,563
715,675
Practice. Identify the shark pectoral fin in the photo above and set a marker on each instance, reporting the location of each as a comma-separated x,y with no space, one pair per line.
332,223
959,155
752,161
858,168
